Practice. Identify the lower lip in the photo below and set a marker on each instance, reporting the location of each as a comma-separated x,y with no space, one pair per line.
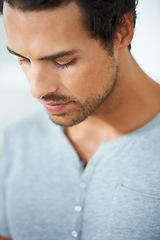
56,108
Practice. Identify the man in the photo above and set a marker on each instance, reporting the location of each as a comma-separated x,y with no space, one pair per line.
91,171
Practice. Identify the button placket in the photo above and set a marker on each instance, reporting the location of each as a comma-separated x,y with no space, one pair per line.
83,185
79,207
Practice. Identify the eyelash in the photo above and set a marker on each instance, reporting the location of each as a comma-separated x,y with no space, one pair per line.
25,60
67,65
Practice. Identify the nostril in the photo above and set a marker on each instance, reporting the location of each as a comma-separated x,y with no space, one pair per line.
41,89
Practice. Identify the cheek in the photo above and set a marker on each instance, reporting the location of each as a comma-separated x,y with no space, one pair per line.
87,79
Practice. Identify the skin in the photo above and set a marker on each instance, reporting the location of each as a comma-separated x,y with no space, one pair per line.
111,93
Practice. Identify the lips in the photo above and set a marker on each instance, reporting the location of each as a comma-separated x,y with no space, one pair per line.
55,108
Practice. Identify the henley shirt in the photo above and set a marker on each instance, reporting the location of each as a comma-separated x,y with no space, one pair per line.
47,194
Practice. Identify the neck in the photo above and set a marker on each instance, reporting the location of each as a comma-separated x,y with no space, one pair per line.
134,101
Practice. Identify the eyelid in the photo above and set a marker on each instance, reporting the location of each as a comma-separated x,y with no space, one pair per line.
64,60
65,65
23,60
59,65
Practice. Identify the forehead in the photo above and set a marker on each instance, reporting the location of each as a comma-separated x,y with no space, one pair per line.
62,12
54,27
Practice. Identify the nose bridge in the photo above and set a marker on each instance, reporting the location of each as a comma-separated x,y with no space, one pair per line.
42,80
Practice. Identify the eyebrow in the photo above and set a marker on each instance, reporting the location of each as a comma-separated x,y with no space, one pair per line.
51,57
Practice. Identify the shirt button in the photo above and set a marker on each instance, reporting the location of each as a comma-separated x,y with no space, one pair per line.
74,234
83,185
78,208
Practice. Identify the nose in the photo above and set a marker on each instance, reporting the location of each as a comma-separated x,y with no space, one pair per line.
42,81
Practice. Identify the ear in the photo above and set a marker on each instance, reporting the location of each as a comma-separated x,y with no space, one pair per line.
125,31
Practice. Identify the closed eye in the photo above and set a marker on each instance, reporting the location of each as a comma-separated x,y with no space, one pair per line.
59,65
23,60
66,65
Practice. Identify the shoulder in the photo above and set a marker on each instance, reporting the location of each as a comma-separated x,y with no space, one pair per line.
147,139
30,129
150,132
36,118
36,121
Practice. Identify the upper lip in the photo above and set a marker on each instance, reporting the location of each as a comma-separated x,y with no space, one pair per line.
53,103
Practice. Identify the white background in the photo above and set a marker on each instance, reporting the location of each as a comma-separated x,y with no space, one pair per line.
15,98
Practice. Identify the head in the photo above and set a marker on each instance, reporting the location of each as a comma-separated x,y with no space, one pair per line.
82,35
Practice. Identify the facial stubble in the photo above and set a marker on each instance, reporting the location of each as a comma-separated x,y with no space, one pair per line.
86,109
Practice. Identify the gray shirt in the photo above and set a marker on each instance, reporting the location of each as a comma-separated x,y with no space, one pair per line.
46,193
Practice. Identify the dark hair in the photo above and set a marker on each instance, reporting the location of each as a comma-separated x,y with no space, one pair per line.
102,17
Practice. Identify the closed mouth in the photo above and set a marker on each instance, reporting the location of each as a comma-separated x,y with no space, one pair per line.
54,103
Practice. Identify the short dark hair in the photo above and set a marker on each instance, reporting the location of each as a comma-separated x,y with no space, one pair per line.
102,17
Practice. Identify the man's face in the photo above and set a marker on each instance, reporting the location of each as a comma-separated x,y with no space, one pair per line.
68,71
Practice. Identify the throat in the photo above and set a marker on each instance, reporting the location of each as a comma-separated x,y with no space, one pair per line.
86,142
85,147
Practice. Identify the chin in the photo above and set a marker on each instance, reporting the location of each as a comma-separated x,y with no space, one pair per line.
63,121
67,121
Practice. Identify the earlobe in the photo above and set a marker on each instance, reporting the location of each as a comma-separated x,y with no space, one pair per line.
125,31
